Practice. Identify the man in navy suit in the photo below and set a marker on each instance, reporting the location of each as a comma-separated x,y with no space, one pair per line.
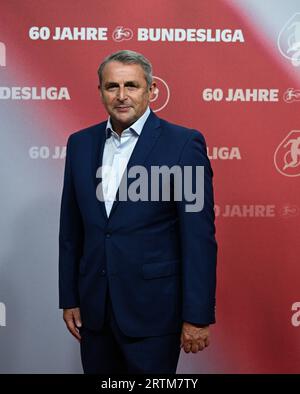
137,276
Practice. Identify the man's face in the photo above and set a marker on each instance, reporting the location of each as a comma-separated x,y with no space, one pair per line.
124,93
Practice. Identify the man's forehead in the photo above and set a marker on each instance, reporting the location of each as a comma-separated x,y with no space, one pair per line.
118,68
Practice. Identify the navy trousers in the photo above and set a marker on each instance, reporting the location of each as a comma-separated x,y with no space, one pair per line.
109,351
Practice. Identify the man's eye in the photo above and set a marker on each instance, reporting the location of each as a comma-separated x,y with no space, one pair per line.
112,88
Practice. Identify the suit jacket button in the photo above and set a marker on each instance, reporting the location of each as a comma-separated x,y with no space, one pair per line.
103,272
108,235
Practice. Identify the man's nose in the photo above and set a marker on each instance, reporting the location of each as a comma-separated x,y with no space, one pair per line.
122,93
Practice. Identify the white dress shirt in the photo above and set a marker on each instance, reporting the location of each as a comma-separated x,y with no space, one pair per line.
116,154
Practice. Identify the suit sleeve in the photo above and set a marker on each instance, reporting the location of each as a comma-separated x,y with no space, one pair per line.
198,243
70,238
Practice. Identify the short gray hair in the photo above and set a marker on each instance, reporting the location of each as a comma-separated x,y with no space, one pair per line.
128,57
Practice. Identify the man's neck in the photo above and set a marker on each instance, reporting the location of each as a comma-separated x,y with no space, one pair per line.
119,127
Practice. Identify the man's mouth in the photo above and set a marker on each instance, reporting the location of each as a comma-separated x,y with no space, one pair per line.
122,108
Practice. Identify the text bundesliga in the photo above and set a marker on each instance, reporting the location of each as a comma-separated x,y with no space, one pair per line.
142,34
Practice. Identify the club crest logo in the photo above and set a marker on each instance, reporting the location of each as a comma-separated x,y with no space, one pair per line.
288,41
161,95
287,155
122,33
289,211
291,95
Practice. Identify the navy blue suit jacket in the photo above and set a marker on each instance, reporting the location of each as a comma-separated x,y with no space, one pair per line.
157,260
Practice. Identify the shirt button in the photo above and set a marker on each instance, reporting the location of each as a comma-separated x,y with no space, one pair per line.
103,271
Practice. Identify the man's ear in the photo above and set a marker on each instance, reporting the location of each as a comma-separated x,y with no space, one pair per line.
100,91
153,90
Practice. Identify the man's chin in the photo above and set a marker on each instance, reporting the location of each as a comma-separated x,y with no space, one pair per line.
124,119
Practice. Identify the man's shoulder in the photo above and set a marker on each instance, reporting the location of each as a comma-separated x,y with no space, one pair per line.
88,131
178,130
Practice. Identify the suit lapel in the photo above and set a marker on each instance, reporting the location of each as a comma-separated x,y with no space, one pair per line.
98,144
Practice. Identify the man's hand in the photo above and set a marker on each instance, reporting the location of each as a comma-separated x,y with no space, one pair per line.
73,321
194,337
